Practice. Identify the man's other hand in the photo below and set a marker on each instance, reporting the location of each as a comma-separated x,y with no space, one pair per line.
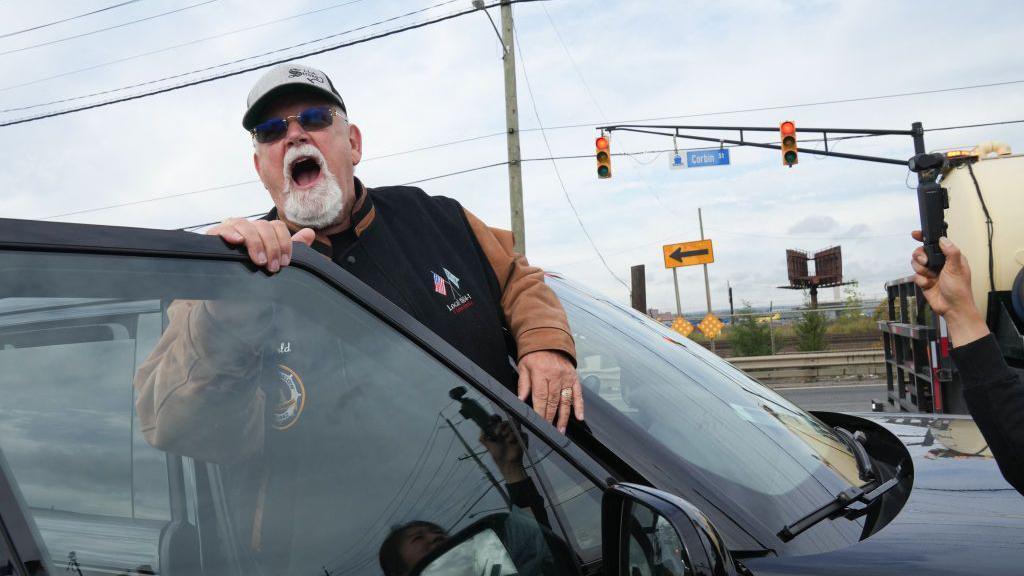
949,291
269,243
550,378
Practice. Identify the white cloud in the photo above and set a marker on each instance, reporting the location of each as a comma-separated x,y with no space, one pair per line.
814,224
641,59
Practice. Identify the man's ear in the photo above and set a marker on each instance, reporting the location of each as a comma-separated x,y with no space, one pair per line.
256,162
355,140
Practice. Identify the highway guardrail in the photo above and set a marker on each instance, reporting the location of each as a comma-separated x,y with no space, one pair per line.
813,366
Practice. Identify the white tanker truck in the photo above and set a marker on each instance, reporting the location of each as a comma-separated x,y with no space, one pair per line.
985,215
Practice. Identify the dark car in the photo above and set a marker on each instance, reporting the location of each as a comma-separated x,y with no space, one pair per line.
348,439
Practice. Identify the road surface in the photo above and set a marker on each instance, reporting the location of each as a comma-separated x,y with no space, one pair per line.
843,398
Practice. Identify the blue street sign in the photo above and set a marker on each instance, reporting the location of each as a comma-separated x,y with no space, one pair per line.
699,158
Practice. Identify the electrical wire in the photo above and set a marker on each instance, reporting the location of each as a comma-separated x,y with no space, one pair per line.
108,28
579,74
68,19
554,164
450,174
1000,123
176,46
147,200
595,123
810,104
223,64
457,173
989,226
267,64
398,499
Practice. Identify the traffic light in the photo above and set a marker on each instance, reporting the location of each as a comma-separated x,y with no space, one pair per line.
788,132
604,158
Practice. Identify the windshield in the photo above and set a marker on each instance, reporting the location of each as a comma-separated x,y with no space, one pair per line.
741,438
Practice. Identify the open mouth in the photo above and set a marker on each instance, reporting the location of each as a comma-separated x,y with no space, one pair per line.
305,171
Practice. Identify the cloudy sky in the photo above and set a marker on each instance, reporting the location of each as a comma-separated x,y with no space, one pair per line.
181,158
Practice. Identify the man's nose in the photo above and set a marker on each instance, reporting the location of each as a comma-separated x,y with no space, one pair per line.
296,134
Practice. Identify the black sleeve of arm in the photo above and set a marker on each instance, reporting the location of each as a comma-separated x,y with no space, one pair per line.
995,398
524,495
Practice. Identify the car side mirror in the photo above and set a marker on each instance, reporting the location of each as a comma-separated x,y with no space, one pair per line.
647,531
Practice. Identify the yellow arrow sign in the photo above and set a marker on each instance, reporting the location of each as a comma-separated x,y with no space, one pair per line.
688,253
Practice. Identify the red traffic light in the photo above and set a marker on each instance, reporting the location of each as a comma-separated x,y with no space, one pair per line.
603,154
787,131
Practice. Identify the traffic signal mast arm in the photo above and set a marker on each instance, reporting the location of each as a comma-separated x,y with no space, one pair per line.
917,133
932,199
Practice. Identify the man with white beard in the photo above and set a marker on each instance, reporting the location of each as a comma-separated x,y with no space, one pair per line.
410,247
269,390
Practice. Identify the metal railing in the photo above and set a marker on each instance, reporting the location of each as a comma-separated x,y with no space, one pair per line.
814,366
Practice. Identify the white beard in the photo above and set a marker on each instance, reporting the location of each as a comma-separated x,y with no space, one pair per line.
318,207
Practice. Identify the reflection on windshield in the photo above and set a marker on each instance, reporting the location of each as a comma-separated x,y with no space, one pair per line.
708,413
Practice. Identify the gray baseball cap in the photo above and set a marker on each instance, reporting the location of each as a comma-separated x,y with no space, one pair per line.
285,78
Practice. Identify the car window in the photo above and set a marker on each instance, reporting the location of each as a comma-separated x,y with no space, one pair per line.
573,497
320,439
67,422
6,560
737,436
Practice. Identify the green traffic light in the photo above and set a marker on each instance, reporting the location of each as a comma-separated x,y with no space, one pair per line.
790,157
603,172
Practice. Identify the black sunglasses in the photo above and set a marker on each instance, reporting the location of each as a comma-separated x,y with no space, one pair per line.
310,119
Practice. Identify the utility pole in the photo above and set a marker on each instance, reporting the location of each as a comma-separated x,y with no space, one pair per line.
707,285
515,168
638,288
732,311
487,473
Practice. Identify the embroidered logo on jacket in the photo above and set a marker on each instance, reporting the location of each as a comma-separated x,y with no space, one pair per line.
448,286
439,285
291,398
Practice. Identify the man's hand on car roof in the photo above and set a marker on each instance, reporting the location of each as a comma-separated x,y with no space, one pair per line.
551,380
269,243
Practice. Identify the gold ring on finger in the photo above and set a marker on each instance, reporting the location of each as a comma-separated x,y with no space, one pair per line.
566,393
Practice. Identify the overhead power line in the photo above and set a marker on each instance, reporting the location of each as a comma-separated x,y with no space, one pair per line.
709,114
177,46
554,164
267,64
108,28
579,74
148,200
469,170
221,65
68,19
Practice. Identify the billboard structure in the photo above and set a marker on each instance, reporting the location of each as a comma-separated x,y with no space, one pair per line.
828,270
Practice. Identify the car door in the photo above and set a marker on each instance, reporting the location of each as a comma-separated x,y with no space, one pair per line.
167,409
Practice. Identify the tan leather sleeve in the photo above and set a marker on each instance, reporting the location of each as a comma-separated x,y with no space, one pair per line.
197,393
533,312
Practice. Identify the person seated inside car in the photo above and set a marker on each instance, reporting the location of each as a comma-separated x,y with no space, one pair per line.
524,530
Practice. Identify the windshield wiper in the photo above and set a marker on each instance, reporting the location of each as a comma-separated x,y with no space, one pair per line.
842,504
864,466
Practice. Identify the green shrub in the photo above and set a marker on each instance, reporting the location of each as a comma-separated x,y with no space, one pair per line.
810,331
750,337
